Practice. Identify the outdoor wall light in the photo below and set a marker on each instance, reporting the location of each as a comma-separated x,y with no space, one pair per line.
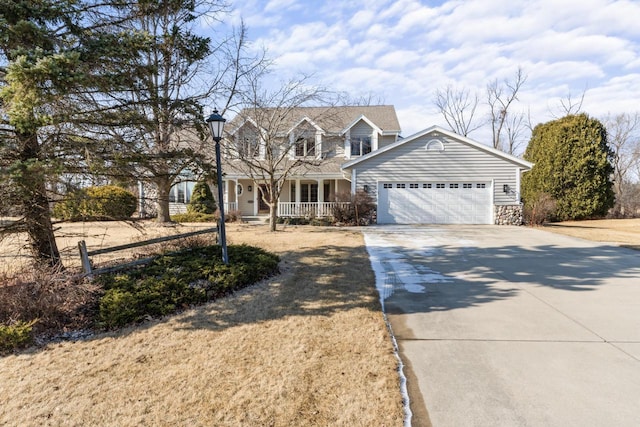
506,188
216,125
249,188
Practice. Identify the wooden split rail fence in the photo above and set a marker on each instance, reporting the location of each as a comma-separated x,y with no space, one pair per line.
85,255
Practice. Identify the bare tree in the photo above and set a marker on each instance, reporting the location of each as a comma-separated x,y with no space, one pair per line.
271,146
570,106
624,140
458,107
515,127
500,97
157,131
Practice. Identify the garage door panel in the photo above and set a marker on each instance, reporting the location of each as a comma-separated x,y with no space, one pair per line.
434,203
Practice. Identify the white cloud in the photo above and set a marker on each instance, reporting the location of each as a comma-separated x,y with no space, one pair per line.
361,19
404,50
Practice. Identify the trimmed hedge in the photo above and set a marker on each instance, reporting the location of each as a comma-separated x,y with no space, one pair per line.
193,217
175,281
108,202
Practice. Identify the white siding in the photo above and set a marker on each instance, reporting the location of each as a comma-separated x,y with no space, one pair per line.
361,128
458,162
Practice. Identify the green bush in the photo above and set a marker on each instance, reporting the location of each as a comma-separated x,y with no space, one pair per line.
193,217
16,336
178,280
108,202
202,201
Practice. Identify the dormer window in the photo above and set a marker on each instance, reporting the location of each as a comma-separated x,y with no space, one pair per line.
248,147
360,145
305,147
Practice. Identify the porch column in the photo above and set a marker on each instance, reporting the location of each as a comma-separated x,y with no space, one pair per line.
226,194
256,195
320,205
298,191
335,189
321,191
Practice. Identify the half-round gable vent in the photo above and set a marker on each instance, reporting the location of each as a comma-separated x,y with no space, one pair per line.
434,145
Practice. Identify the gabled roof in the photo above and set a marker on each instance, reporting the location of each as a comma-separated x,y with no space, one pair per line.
331,119
436,129
308,120
363,118
241,123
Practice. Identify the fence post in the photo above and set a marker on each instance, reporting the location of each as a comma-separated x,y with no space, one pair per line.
84,258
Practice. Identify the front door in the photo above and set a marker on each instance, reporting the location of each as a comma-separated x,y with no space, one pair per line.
262,206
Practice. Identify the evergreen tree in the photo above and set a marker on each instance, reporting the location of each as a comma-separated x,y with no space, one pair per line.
202,200
54,53
572,164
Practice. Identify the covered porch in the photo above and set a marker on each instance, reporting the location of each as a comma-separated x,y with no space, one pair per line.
299,197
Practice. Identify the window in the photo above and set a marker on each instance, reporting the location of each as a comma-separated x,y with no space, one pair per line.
400,185
480,185
413,186
388,185
453,185
439,185
426,185
239,189
181,192
305,147
467,185
360,145
308,192
248,147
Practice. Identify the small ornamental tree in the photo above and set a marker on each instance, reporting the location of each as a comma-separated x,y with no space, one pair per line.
202,200
572,165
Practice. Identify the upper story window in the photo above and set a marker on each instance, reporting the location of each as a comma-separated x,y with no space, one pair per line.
360,145
305,147
248,146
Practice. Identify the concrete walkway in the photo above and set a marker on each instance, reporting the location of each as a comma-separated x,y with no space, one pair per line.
512,326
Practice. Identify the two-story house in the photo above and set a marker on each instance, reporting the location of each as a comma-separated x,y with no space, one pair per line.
433,176
317,142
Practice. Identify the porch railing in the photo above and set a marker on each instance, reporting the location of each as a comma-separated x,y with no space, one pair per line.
308,209
230,206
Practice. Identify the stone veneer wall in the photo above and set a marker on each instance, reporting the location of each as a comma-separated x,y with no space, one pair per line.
508,215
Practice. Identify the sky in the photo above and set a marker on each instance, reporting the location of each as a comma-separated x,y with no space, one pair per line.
402,51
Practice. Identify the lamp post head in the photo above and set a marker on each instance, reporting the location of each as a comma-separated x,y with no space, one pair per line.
216,125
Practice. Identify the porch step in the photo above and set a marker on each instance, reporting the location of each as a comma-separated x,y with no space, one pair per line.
260,219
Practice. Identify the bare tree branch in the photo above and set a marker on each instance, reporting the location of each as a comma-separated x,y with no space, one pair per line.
623,135
458,107
500,96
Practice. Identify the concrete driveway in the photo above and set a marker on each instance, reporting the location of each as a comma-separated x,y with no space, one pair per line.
512,326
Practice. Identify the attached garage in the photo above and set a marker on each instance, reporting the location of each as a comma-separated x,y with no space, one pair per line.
434,203
439,177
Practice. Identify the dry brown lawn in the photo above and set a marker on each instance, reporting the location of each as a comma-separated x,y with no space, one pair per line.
623,232
306,348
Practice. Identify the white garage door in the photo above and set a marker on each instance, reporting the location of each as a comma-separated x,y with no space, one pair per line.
434,203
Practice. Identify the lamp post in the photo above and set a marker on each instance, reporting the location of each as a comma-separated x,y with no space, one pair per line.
216,125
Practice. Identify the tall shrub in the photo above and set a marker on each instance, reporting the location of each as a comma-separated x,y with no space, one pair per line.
572,165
